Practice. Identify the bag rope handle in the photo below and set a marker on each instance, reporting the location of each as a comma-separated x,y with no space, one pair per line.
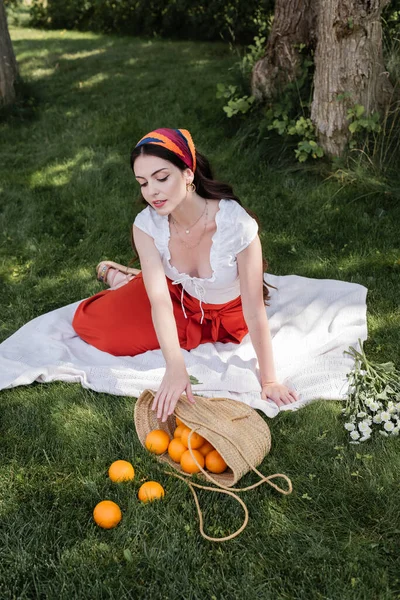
225,489
263,478
192,485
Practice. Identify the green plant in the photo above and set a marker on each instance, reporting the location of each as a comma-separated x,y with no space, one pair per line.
236,104
360,122
281,115
374,137
255,50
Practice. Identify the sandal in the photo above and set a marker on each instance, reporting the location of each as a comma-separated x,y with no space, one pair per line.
114,274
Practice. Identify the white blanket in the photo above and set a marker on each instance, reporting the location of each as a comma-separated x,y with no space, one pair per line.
312,322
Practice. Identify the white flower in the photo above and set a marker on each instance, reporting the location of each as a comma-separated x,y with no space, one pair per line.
373,407
377,419
364,427
384,433
354,442
398,407
385,415
391,407
395,431
388,426
365,437
354,435
361,415
349,426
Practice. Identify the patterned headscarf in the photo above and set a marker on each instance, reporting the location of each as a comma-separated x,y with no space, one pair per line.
179,141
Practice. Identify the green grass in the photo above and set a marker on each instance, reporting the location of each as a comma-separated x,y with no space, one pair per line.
67,201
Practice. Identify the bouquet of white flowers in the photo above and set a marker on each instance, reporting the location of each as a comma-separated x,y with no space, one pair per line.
373,398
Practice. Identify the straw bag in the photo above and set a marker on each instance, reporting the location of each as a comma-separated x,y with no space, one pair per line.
235,430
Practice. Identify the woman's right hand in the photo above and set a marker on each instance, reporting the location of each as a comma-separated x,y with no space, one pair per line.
175,382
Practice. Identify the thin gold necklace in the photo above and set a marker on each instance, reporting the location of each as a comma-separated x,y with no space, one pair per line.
202,235
191,227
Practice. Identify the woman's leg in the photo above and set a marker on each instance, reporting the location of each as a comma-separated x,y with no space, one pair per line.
118,321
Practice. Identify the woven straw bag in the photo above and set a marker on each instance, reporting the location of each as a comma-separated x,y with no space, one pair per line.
235,430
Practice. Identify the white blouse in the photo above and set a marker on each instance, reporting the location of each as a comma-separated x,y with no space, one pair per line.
236,229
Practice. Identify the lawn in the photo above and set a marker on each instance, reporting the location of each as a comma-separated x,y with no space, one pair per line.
68,200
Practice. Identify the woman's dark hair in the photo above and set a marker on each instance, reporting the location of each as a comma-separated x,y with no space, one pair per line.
206,187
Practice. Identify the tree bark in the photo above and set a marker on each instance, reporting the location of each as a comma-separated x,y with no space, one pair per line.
8,64
292,25
346,36
348,61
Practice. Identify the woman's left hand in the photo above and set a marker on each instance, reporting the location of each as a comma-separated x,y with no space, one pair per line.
279,393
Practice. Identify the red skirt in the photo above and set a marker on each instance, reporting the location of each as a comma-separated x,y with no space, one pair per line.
119,321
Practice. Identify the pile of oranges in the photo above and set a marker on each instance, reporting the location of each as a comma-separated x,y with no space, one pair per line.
158,442
107,514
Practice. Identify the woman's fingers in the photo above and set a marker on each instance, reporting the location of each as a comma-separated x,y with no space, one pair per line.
164,403
160,405
189,394
281,395
168,402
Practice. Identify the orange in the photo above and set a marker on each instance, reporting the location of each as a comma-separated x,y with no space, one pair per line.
178,431
179,422
107,514
151,490
157,441
185,431
176,449
121,470
195,441
188,464
206,448
215,463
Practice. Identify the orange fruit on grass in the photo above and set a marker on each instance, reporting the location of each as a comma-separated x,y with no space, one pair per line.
206,448
151,490
179,422
215,463
121,470
107,514
195,441
178,431
188,464
176,449
157,441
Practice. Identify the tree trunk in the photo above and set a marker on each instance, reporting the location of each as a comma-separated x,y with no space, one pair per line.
8,64
347,39
348,61
292,25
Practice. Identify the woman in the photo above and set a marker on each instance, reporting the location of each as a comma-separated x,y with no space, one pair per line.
201,277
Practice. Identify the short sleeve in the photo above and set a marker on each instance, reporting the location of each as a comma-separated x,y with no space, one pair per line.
142,221
156,226
245,226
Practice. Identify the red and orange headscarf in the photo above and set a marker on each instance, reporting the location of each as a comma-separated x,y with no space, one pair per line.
179,141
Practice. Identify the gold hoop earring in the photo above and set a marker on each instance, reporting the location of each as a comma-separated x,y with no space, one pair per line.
190,187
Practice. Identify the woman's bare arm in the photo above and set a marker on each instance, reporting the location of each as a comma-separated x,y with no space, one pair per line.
176,379
250,267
